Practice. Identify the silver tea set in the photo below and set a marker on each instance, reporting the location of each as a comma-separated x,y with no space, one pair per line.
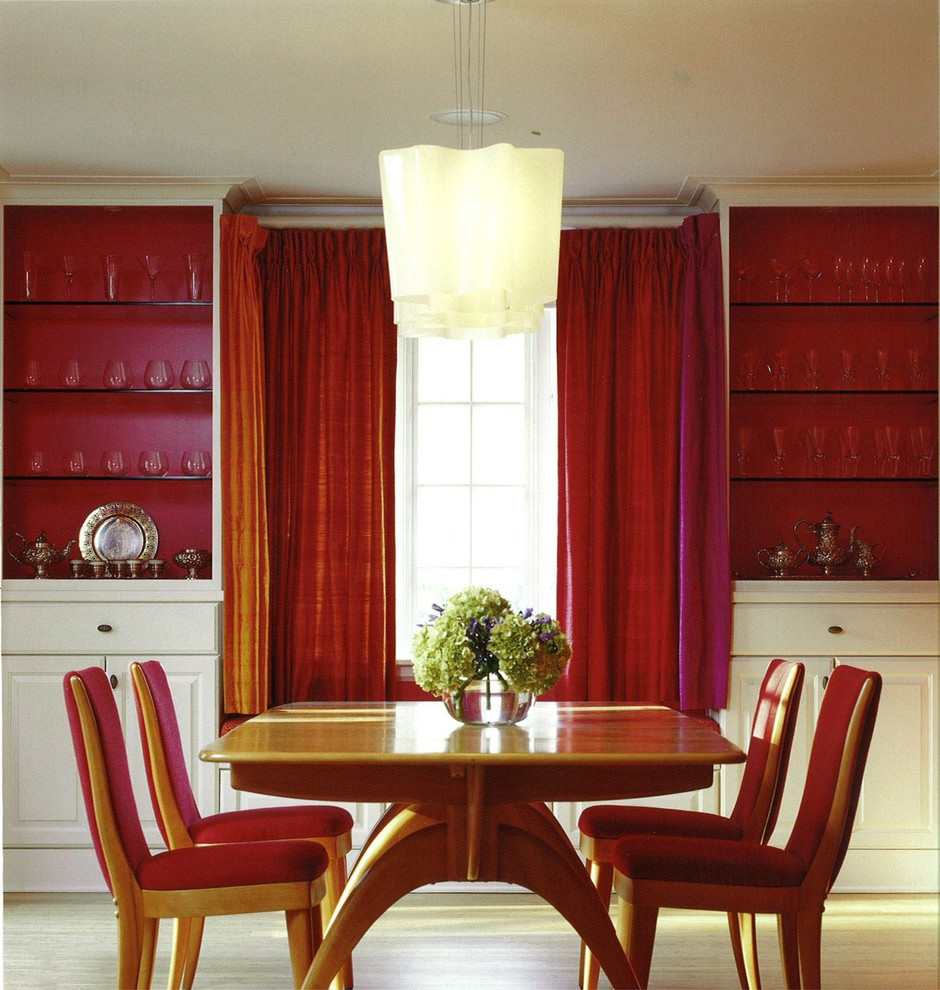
827,554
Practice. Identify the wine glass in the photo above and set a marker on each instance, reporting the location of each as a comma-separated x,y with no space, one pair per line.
158,375
784,276
883,368
915,362
151,264
114,463
843,273
30,275
921,270
923,444
817,438
850,442
195,375
38,462
744,436
34,376
745,277
750,360
811,359
892,442
848,368
73,463
779,454
70,374
153,463
868,272
117,374
194,267
111,268
67,264
812,270
780,370
196,463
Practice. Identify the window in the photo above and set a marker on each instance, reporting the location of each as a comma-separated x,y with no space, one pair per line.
476,471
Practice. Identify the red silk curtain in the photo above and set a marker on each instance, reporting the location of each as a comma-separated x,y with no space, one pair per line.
331,353
641,466
246,672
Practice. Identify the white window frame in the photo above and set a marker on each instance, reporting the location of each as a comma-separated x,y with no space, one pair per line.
541,481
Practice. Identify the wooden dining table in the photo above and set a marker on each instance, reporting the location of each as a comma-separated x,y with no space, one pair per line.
469,802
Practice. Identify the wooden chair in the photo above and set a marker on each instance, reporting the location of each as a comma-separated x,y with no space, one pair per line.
752,819
183,826
182,883
749,877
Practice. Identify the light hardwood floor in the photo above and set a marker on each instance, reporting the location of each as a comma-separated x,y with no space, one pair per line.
432,941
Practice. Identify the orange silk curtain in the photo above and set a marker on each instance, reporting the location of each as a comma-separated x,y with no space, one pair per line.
246,666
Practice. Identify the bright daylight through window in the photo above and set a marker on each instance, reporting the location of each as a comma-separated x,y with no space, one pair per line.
476,471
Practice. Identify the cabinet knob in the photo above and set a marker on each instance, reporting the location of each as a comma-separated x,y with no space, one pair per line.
114,682
835,630
104,627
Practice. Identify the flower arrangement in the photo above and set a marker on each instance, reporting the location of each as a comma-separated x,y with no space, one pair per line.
477,634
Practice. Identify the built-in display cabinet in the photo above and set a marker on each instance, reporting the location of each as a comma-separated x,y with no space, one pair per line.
110,469
833,422
833,369
108,386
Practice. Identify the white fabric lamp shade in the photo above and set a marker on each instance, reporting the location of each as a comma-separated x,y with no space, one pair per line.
472,237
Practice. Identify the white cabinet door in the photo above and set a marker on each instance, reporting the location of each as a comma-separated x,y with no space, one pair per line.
42,800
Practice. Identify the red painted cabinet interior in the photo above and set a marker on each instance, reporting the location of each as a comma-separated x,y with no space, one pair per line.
833,374
86,398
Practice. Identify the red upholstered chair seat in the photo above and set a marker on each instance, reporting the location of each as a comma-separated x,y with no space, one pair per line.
611,821
739,864
258,824
206,867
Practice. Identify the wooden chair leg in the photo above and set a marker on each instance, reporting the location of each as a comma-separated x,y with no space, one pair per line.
335,884
148,948
636,927
300,927
744,944
809,935
787,932
602,876
197,925
129,937
182,927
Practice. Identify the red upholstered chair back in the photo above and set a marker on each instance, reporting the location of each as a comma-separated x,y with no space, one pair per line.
98,739
844,728
768,750
167,774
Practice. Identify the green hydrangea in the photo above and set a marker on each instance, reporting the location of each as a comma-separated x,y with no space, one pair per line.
477,632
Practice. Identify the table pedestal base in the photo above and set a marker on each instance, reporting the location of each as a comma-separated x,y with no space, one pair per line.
418,844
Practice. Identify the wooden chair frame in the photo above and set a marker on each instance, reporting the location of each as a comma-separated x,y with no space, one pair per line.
139,910
758,822
178,836
798,905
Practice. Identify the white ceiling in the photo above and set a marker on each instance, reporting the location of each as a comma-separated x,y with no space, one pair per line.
291,100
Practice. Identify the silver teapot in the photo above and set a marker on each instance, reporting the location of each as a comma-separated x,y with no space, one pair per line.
40,553
827,553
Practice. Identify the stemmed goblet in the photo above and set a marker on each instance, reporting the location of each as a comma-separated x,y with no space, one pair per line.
67,264
812,270
152,267
779,454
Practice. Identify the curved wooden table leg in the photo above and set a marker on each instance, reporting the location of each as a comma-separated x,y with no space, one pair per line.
408,861
537,854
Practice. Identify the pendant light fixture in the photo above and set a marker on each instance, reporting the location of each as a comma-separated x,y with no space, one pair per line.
472,232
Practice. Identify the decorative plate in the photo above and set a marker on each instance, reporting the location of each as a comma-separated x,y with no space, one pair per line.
118,531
